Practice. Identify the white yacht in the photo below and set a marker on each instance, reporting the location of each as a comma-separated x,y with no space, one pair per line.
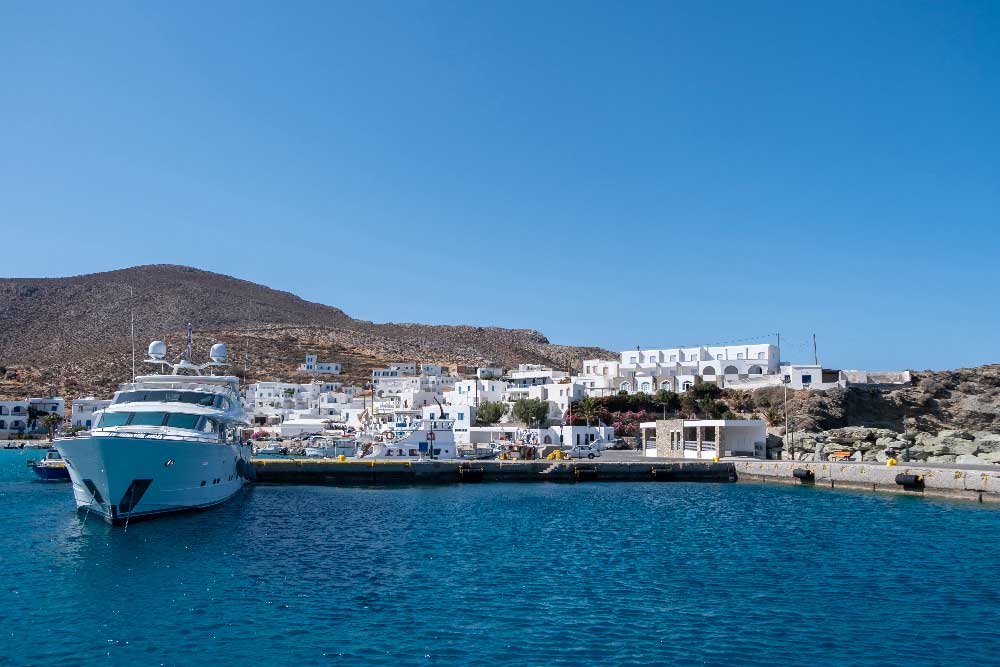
169,442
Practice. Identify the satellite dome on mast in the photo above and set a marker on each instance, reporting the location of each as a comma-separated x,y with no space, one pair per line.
157,350
219,353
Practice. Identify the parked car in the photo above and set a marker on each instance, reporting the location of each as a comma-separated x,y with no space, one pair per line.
582,452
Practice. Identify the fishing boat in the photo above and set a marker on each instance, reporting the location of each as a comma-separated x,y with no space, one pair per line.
417,439
169,442
52,468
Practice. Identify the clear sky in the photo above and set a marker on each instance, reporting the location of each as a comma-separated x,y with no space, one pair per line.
615,174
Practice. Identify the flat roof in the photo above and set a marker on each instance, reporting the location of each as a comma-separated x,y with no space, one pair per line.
710,422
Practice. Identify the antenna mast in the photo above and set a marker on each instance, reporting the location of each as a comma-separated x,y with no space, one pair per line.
189,352
131,314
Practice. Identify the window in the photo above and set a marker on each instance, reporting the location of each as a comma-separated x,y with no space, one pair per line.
114,419
208,426
673,357
760,355
806,379
148,418
178,420
461,416
739,355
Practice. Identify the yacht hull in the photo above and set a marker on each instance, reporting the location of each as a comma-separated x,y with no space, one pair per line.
124,478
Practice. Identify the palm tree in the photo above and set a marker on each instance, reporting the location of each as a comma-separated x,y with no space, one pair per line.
50,422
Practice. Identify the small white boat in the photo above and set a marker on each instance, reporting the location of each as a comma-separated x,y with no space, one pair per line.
420,439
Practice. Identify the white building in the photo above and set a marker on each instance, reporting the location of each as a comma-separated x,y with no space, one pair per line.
474,392
13,417
46,406
395,370
313,365
83,410
489,373
275,402
677,369
704,438
530,375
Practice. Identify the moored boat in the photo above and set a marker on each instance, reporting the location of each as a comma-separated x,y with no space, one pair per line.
52,468
167,443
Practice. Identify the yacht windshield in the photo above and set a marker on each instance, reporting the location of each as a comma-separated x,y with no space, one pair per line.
169,419
164,396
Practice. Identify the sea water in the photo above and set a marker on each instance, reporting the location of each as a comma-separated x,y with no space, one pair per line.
502,574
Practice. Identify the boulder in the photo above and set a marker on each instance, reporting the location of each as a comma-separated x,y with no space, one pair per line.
958,446
990,443
989,457
944,458
961,435
969,459
852,434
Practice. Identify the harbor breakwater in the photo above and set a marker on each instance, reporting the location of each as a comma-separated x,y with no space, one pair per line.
331,471
975,483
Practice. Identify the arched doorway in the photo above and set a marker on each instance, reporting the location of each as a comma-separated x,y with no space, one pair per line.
708,370
756,370
625,386
731,370
547,440
645,387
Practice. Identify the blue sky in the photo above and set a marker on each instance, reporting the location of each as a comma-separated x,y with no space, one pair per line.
612,174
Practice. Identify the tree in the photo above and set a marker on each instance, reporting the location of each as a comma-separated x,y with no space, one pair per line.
531,411
51,422
490,412
587,408
668,400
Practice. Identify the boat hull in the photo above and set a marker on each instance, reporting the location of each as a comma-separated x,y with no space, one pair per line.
125,478
51,473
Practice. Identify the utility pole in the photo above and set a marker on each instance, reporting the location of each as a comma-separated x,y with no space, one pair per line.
815,354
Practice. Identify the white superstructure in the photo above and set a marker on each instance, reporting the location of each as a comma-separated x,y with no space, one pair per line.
168,442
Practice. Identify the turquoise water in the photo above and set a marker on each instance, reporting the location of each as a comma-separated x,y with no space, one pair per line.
589,574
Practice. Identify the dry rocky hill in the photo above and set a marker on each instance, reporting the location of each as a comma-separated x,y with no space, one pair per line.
70,336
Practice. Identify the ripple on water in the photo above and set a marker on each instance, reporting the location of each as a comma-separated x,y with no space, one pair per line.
611,574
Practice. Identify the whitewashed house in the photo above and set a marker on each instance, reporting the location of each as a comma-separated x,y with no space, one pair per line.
313,365
13,417
83,410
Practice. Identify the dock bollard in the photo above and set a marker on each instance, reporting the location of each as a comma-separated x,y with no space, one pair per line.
804,475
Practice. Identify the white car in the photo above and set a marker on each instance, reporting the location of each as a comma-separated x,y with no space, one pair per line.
582,452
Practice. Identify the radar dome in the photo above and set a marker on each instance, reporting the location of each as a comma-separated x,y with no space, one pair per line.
157,349
219,353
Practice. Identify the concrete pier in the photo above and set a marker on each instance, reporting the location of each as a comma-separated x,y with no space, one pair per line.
976,483
331,471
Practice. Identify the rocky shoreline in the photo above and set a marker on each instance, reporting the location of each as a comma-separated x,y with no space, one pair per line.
870,444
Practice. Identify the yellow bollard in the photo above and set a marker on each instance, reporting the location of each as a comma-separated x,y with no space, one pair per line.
715,459
890,462
341,458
